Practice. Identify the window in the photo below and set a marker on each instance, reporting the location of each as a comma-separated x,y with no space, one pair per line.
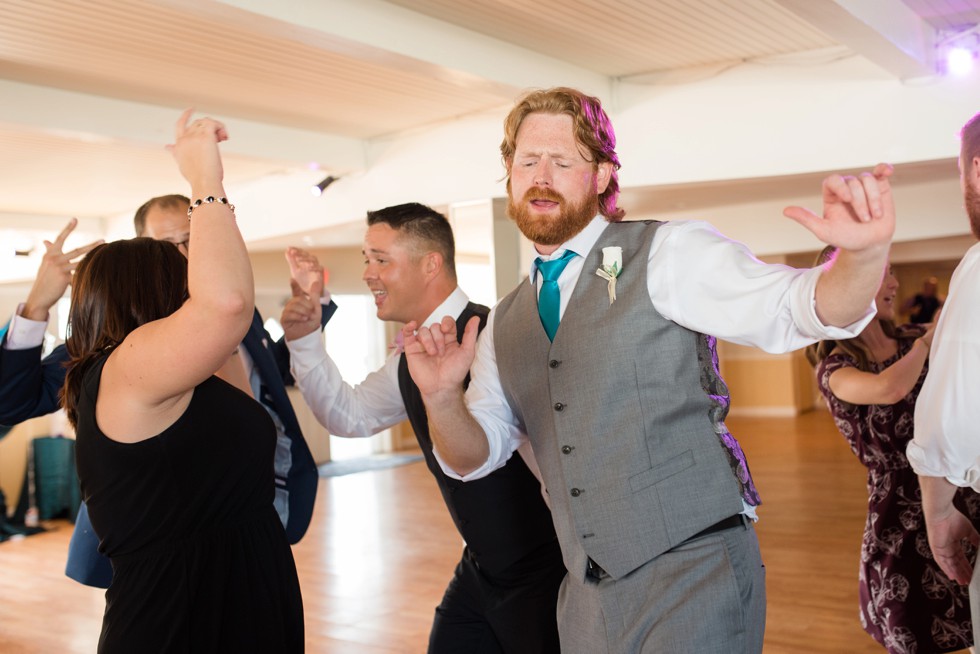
355,341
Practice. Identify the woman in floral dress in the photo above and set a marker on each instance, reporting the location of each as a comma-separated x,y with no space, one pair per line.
870,383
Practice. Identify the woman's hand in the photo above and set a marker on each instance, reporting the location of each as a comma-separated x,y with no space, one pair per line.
195,149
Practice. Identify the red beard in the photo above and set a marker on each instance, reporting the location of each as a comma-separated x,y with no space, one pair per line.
553,229
971,200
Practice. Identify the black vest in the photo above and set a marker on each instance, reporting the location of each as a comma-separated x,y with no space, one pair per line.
502,517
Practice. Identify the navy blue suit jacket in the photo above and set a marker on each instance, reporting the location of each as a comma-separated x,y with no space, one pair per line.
29,389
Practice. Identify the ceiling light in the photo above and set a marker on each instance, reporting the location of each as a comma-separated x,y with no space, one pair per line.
959,50
318,189
959,61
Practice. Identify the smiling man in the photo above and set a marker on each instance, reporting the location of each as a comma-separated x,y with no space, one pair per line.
503,594
623,401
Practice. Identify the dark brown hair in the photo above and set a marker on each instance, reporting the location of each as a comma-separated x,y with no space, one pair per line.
593,131
116,288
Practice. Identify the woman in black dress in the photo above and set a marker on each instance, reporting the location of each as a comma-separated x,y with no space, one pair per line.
175,462
870,383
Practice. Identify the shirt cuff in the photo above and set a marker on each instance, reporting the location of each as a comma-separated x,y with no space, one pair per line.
306,353
804,308
927,465
479,473
24,333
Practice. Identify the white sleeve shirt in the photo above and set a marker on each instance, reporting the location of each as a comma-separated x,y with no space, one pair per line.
947,413
367,408
696,278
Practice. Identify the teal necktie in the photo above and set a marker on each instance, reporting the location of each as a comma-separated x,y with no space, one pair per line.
549,299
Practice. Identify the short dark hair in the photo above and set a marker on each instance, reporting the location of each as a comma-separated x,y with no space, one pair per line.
118,287
428,228
173,201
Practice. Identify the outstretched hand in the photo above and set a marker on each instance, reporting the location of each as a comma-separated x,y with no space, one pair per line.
858,212
437,361
54,274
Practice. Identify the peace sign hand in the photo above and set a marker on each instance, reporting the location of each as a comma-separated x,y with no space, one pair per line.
54,274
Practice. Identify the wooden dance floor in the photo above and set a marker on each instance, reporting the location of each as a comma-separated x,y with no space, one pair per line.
382,547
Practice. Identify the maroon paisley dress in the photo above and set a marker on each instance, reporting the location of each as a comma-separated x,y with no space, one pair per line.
907,603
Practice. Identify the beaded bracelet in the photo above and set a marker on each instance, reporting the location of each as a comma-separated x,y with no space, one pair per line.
208,200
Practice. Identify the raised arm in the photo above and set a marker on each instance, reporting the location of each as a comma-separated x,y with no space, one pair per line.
54,274
359,411
858,218
165,359
439,364
306,283
302,314
29,386
888,386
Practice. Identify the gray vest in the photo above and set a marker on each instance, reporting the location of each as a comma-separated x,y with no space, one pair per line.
625,411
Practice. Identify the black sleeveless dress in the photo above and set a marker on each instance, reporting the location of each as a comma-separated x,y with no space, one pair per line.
200,559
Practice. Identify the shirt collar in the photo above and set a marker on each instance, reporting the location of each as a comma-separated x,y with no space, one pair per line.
451,306
581,244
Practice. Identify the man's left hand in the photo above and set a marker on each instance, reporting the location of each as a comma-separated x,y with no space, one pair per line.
858,212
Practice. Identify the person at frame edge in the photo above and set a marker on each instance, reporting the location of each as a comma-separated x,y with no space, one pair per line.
944,452
871,384
504,590
30,385
650,493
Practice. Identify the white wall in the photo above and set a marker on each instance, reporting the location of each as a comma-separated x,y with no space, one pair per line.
750,121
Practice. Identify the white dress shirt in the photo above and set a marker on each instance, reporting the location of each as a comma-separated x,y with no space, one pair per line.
367,408
24,333
947,411
696,278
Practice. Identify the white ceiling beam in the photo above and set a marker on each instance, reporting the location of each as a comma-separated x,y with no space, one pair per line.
87,117
397,37
885,32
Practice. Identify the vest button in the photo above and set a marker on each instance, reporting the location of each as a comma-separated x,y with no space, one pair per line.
554,363
559,406
566,449
576,492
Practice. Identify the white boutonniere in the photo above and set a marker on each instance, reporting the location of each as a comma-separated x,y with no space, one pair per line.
612,265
